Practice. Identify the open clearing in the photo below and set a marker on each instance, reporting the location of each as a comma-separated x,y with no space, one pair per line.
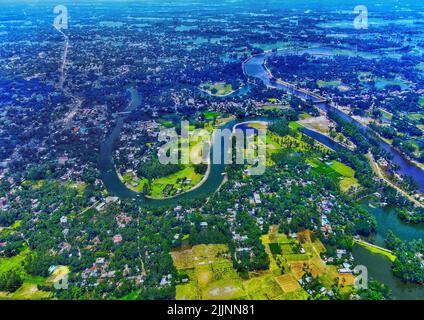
320,124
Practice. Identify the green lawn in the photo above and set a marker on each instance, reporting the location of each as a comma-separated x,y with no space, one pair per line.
275,107
7,264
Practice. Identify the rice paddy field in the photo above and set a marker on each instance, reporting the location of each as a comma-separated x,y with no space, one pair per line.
209,273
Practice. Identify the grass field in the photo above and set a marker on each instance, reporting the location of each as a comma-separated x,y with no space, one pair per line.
158,186
275,107
389,255
295,125
212,276
337,170
421,102
218,89
210,115
323,84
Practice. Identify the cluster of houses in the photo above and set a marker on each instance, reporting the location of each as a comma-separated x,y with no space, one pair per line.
131,151
325,207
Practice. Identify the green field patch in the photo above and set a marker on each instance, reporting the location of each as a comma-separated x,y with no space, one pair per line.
218,89
187,291
224,290
296,257
336,170
326,84
373,249
348,183
262,288
210,115
169,185
27,291
299,294
16,262
295,125
275,248
382,83
343,169
417,116
275,107
286,249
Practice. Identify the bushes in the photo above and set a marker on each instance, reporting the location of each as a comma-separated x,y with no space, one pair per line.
10,281
154,169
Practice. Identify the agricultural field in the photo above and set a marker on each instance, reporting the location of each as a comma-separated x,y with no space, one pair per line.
291,265
211,276
336,170
207,273
210,272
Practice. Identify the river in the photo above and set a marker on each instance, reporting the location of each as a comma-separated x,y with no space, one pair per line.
379,266
254,67
117,188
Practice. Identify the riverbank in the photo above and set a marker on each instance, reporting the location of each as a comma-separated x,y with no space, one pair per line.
379,172
376,249
255,66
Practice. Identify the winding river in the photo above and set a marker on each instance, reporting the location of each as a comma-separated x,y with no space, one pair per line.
117,188
378,265
254,67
